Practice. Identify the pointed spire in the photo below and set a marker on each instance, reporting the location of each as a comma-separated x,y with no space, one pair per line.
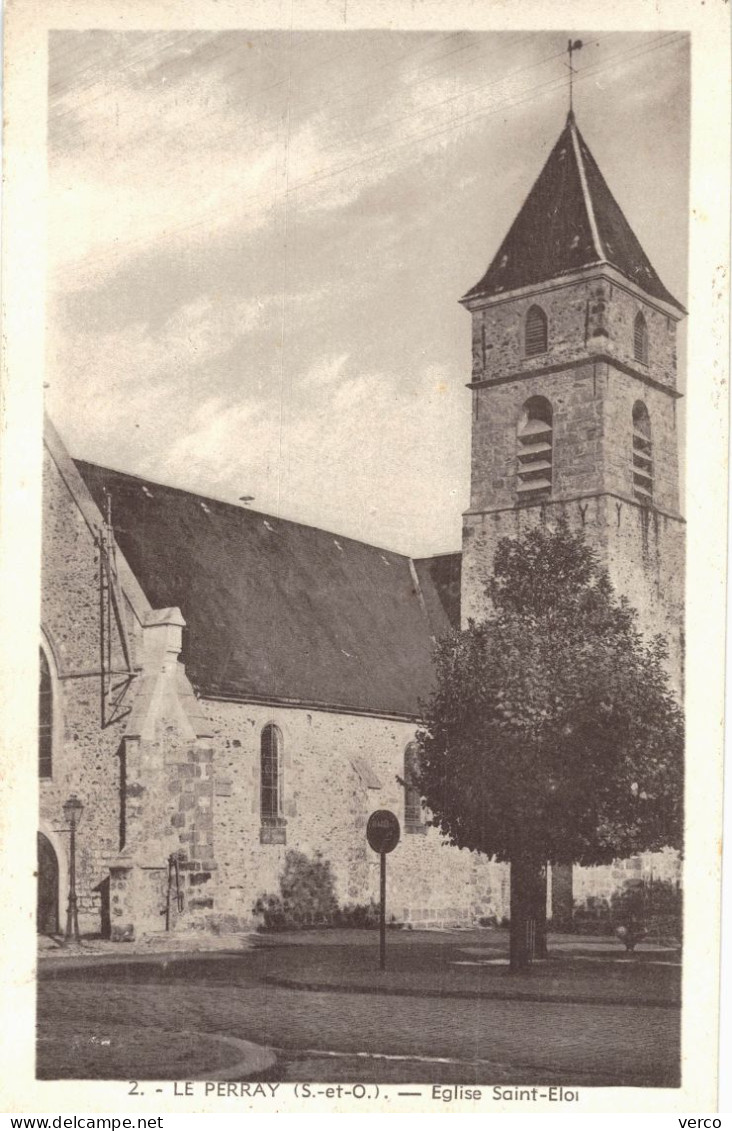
570,220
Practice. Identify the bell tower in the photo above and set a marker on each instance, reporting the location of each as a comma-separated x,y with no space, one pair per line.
574,394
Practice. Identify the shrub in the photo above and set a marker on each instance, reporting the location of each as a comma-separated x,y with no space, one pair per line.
307,899
653,910
307,895
360,915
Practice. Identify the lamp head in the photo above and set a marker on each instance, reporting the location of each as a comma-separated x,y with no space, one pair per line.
73,809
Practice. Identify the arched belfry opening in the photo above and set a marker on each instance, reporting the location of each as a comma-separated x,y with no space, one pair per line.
535,449
642,454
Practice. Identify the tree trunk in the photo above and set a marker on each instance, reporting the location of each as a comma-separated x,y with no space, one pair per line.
528,911
523,924
540,892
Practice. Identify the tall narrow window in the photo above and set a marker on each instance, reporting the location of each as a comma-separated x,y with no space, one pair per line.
640,339
536,335
642,454
413,821
535,448
45,720
271,774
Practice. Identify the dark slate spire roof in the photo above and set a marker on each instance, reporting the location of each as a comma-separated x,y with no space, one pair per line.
569,220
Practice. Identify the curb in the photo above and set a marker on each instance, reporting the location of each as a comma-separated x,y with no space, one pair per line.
254,1060
468,995
257,1058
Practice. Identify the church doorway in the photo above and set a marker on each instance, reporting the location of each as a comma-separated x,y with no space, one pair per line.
48,888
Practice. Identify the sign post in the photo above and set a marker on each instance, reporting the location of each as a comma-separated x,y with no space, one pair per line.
382,833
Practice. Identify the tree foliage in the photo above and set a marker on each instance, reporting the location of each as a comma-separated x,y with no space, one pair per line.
552,732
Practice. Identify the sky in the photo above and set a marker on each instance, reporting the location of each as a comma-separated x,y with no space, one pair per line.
258,241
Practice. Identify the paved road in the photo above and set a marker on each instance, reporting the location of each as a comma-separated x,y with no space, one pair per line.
360,1037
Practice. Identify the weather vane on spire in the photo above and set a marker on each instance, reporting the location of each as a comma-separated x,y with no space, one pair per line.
572,45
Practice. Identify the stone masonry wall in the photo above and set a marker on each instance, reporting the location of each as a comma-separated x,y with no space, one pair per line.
642,550
169,813
604,881
337,770
620,394
86,757
594,316
592,472
645,557
143,771
576,397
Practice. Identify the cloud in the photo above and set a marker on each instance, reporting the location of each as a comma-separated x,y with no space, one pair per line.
189,142
259,241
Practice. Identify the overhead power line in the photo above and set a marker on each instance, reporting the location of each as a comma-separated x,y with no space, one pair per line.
539,90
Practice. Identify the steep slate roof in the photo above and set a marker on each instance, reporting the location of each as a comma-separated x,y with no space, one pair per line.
276,610
569,220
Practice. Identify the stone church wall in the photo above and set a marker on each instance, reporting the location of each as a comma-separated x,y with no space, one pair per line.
174,774
338,768
577,406
86,757
140,770
645,557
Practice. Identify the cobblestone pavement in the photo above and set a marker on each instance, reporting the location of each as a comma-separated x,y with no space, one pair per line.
361,1037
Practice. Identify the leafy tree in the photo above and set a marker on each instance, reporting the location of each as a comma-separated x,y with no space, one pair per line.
552,734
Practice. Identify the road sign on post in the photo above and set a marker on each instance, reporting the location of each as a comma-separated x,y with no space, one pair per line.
382,833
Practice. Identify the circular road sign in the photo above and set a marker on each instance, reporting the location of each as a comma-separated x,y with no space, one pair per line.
382,831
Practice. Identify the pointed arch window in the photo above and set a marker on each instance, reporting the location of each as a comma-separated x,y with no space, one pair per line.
640,339
535,332
535,449
271,807
413,819
642,454
45,719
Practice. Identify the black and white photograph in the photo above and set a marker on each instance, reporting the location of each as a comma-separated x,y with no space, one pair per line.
366,655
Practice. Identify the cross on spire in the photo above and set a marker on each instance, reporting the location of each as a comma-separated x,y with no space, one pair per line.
572,45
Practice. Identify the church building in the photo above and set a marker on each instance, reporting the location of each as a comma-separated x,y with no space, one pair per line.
218,685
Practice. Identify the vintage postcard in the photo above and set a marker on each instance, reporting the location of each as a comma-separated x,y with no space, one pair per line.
364,412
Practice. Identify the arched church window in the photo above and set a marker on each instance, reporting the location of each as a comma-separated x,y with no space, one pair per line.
535,449
413,822
640,339
642,454
45,719
536,331
271,773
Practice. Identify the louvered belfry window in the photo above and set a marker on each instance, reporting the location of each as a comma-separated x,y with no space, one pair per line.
271,773
45,720
536,334
640,339
535,450
642,454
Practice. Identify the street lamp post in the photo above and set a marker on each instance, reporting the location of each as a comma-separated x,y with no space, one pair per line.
73,809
